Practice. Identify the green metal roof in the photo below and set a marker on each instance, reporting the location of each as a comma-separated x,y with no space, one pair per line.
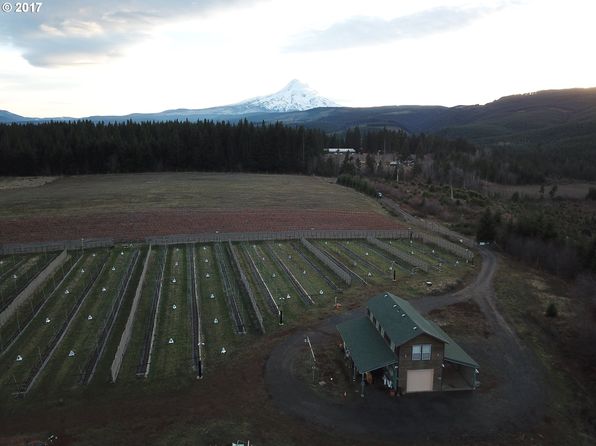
388,310
454,353
400,320
365,345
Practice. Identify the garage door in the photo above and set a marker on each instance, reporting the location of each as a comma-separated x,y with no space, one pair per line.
420,380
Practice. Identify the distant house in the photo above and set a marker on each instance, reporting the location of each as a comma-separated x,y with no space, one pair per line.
339,150
408,352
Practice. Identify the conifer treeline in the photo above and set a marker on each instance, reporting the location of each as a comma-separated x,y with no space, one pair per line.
84,147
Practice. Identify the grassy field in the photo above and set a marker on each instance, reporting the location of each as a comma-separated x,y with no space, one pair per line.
37,301
63,372
14,280
44,326
213,306
309,278
129,192
562,344
143,319
278,285
172,349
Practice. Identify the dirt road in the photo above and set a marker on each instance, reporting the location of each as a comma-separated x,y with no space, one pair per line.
511,399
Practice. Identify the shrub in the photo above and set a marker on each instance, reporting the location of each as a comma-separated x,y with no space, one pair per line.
591,195
551,310
358,183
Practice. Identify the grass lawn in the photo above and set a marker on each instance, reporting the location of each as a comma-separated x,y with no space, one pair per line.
523,294
216,335
40,332
37,300
173,359
63,372
12,284
268,311
102,374
308,277
277,283
143,317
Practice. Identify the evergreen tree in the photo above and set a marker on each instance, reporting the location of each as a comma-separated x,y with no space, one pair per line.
487,227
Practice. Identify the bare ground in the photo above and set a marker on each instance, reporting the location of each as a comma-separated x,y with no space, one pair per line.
134,206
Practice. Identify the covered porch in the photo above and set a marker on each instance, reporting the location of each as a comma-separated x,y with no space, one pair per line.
367,350
460,371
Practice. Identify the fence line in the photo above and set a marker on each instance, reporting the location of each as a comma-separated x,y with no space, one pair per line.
109,321
13,338
247,287
230,289
361,259
343,275
26,293
282,235
70,245
333,256
151,333
25,278
57,339
10,270
269,299
318,270
302,293
428,225
127,333
459,251
414,261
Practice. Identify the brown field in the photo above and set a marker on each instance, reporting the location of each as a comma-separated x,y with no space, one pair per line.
134,206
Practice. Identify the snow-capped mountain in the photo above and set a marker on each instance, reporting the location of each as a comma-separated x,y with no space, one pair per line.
296,96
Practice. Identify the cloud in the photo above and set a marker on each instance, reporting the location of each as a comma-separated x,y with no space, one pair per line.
366,31
89,31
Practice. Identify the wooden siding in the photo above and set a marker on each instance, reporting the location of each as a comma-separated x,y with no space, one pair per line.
406,363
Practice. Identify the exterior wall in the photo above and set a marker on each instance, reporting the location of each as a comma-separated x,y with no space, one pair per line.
404,353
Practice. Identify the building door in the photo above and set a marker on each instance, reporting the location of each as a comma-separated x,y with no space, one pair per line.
420,380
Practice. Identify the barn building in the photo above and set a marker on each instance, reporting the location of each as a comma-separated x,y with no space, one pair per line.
409,353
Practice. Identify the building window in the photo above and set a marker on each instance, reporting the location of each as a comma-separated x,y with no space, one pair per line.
421,352
416,352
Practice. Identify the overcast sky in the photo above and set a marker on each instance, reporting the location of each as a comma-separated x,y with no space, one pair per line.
86,57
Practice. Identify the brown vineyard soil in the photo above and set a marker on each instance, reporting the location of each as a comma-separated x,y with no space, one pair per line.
135,226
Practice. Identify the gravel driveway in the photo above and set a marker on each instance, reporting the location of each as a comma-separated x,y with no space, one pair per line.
514,401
